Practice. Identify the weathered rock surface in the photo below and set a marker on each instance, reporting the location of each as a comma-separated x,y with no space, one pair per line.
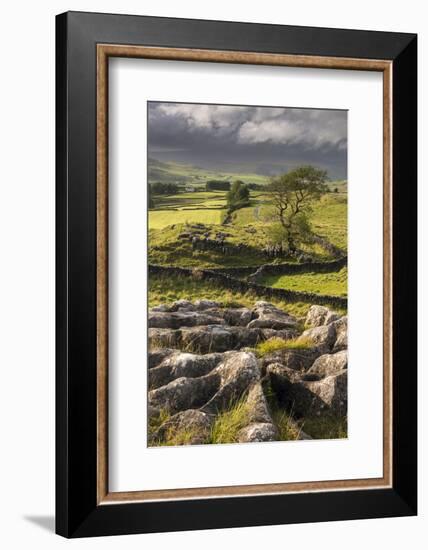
298,359
238,372
214,391
195,424
333,392
181,364
257,432
329,364
206,304
269,316
320,315
341,327
158,355
322,338
302,395
178,319
239,317
202,361
258,410
184,393
205,338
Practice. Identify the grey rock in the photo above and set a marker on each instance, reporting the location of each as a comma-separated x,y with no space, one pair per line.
207,339
196,424
268,316
341,327
237,316
182,305
217,338
323,337
257,405
157,356
258,432
329,364
238,372
178,319
333,392
161,307
303,397
163,338
180,364
184,393
228,381
320,315
200,305
298,359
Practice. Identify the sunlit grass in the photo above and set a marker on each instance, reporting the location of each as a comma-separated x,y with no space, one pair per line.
228,423
159,219
332,283
279,344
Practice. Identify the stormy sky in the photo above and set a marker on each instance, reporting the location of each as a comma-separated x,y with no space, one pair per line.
263,140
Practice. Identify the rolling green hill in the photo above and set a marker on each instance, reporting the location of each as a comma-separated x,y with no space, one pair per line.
174,172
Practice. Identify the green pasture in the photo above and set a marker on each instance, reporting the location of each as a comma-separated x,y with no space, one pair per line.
160,219
333,283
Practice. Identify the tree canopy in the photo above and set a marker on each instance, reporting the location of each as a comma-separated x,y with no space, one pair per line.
238,196
161,188
292,195
217,185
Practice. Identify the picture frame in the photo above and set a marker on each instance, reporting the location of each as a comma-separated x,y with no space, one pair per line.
84,44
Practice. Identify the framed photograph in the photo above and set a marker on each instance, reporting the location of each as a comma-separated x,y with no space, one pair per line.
236,274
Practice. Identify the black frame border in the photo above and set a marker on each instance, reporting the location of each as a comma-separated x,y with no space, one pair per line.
77,512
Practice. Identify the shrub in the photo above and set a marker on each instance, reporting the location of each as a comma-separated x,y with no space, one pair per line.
238,196
217,185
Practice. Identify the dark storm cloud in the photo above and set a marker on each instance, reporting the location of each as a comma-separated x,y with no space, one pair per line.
261,139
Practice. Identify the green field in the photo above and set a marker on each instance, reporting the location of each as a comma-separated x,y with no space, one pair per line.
196,207
334,283
249,227
159,219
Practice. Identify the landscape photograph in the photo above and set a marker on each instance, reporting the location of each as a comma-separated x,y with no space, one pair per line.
247,274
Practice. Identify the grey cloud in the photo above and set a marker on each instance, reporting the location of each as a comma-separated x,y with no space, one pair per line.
220,135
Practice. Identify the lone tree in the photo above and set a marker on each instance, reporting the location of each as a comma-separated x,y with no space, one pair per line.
238,196
292,195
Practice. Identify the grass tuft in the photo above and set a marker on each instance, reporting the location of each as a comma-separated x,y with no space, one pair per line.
229,422
279,344
156,421
174,438
287,427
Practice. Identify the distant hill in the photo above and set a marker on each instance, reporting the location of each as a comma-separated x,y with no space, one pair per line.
174,172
